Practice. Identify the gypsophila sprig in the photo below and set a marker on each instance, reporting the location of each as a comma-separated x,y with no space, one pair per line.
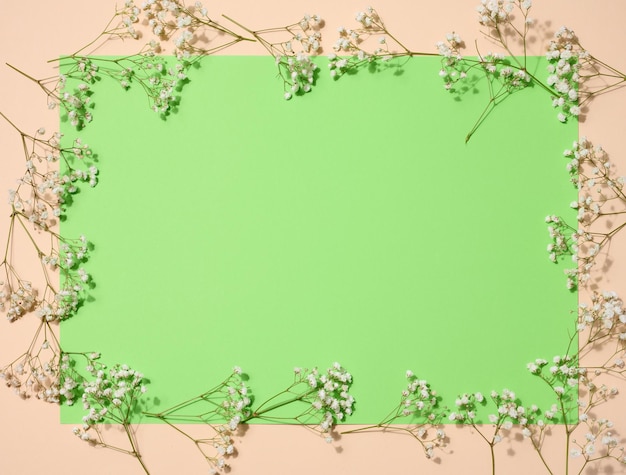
599,442
461,74
37,204
112,396
506,22
185,26
508,411
575,75
71,379
561,374
43,190
35,373
187,31
292,47
600,191
46,372
418,401
564,243
601,205
564,58
316,399
602,322
369,44
221,410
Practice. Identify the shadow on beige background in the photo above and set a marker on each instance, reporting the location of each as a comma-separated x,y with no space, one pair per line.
31,439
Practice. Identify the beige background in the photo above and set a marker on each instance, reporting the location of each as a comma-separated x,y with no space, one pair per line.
31,439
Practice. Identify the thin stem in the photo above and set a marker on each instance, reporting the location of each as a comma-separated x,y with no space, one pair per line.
22,73
567,438
9,120
260,412
9,238
543,460
240,26
363,429
30,237
135,452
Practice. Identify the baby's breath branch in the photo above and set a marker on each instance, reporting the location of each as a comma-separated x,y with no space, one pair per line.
106,34
509,412
502,78
357,43
326,395
37,371
567,80
296,69
418,400
601,196
222,409
38,201
111,396
499,16
170,21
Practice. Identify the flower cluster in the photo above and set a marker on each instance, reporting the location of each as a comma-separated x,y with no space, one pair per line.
564,239
562,374
17,297
186,27
111,396
418,398
77,103
498,68
43,190
71,382
466,405
493,13
46,372
352,43
128,16
71,295
36,371
564,56
605,314
509,411
592,173
453,68
327,394
599,433
298,72
236,404
601,199
576,243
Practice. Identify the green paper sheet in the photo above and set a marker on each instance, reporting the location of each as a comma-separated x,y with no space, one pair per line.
351,224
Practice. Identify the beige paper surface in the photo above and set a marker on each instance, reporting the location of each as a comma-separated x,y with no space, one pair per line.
31,439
